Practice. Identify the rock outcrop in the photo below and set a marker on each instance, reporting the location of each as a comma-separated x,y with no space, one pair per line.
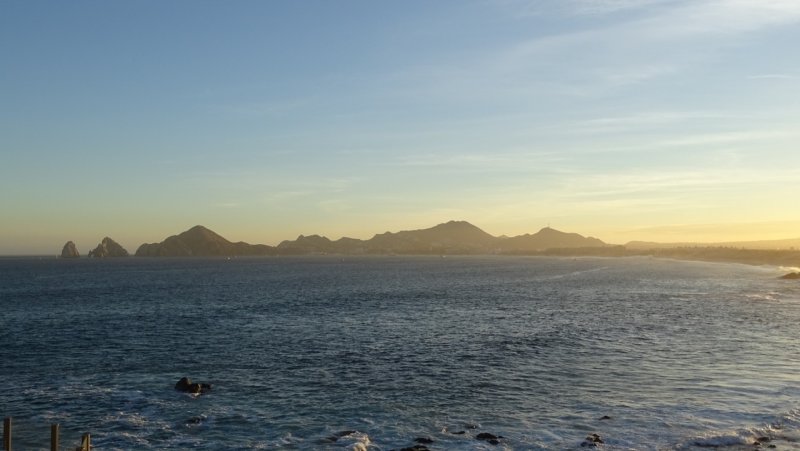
187,386
70,251
791,276
108,248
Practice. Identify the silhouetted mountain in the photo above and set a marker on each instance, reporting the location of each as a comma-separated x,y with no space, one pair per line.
108,248
547,238
454,237
306,245
201,242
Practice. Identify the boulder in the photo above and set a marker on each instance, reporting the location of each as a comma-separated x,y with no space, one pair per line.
187,386
791,276
70,251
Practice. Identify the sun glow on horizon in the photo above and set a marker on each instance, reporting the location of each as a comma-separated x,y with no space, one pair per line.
668,121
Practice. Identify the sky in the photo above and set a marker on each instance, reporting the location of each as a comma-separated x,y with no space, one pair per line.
662,120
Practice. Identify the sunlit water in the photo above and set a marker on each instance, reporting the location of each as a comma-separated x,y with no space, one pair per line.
536,350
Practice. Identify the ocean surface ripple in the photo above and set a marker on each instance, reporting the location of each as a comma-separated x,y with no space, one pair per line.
369,353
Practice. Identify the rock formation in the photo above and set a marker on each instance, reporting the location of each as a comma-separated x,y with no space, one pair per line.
70,251
108,248
791,276
187,386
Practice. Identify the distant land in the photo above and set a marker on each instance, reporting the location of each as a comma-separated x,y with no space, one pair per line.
460,238
454,237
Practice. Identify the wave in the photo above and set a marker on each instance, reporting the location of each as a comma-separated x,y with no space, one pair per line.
783,432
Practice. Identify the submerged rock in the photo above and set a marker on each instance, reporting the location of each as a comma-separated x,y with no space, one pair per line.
591,441
489,438
423,440
791,276
187,386
70,251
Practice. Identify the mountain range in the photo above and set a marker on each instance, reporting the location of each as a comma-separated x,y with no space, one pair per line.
454,237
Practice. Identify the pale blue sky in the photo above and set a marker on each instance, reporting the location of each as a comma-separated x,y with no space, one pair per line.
623,119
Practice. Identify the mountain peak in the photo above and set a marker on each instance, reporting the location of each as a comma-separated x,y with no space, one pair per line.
199,241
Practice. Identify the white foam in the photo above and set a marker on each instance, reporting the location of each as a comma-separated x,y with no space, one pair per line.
357,441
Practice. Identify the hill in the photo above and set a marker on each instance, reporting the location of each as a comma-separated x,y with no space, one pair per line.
547,238
201,242
453,237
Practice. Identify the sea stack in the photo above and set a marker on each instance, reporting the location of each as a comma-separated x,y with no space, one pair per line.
70,251
108,248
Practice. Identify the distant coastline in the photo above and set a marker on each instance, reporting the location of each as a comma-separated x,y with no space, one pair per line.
450,238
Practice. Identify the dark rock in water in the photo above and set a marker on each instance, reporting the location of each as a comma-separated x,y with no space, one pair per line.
70,251
605,417
108,248
471,426
591,441
195,420
423,440
414,448
489,438
187,386
459,432
791,276
486,436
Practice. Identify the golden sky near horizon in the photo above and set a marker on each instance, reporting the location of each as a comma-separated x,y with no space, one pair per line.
657,120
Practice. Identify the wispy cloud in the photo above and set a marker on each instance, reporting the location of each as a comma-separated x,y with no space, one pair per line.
649,45
772,77
703,17
611,6
650,120
529,8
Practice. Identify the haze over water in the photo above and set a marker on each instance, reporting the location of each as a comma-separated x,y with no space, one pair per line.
536,350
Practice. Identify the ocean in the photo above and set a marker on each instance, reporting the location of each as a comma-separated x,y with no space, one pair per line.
373,353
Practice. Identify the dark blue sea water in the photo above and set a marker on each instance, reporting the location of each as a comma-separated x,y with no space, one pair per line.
300,350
